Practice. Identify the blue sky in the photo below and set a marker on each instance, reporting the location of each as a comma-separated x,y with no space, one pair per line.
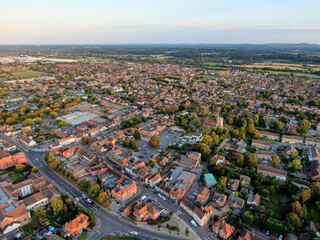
164,21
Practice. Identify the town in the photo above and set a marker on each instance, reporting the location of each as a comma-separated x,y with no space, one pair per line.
93,149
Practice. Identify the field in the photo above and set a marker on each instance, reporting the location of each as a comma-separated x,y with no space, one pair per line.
280,66
101,111
24,74
277,204
308,75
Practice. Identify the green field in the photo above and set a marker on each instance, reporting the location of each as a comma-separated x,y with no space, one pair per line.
24,74
277,204
312,76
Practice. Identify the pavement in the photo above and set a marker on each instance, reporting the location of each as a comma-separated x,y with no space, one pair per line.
107,222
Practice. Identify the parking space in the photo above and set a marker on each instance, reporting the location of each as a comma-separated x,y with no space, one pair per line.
146,151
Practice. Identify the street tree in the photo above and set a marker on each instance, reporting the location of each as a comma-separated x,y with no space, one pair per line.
155,141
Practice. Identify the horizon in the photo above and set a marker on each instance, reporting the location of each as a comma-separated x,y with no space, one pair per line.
171,22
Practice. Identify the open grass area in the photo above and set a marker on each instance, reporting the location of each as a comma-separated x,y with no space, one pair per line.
17,177
24,74
309,75
83,235
313,213
120,238
277,204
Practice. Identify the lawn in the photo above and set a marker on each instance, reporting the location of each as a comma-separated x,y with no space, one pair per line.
277,204
24,74
83,235
313,213
17,177
120,238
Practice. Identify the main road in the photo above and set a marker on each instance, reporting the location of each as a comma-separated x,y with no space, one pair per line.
110,222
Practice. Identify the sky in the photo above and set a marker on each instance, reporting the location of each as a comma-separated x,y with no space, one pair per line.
162,21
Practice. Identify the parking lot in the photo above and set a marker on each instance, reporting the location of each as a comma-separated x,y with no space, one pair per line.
146,151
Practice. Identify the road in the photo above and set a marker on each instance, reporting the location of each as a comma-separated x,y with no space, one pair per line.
110,222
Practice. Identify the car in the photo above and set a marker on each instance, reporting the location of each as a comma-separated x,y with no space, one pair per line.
267,233
164,198
280,237
134,233
122,171
89,201
194,223
143,197
263,231
84,196
77,199
94,204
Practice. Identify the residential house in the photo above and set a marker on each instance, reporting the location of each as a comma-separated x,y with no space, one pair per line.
219,200
253,200
264,155
233,184
76,226
201,217
14,160
245,180
209,180
272,172
237,203
203,196
223,229
261,144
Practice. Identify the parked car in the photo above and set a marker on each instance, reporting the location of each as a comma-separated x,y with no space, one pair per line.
134,233
280,237
194,223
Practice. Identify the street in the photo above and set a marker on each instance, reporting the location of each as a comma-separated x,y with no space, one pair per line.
110,222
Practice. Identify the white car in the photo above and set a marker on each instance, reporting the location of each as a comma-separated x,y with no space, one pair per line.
77,199
280,237
134,233
194,223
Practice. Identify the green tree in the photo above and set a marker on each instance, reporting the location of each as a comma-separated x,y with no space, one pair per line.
62,123
94,190
21,167
297,208
251,159
85,184
85,140
304,126
153,164
135,144
39,214
275,161
204,149
293,220
187,231
155,141
35,169
305,195
38,120
222,183
28,122
104,198
247,217
207,139
137,135
57,205
54,114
